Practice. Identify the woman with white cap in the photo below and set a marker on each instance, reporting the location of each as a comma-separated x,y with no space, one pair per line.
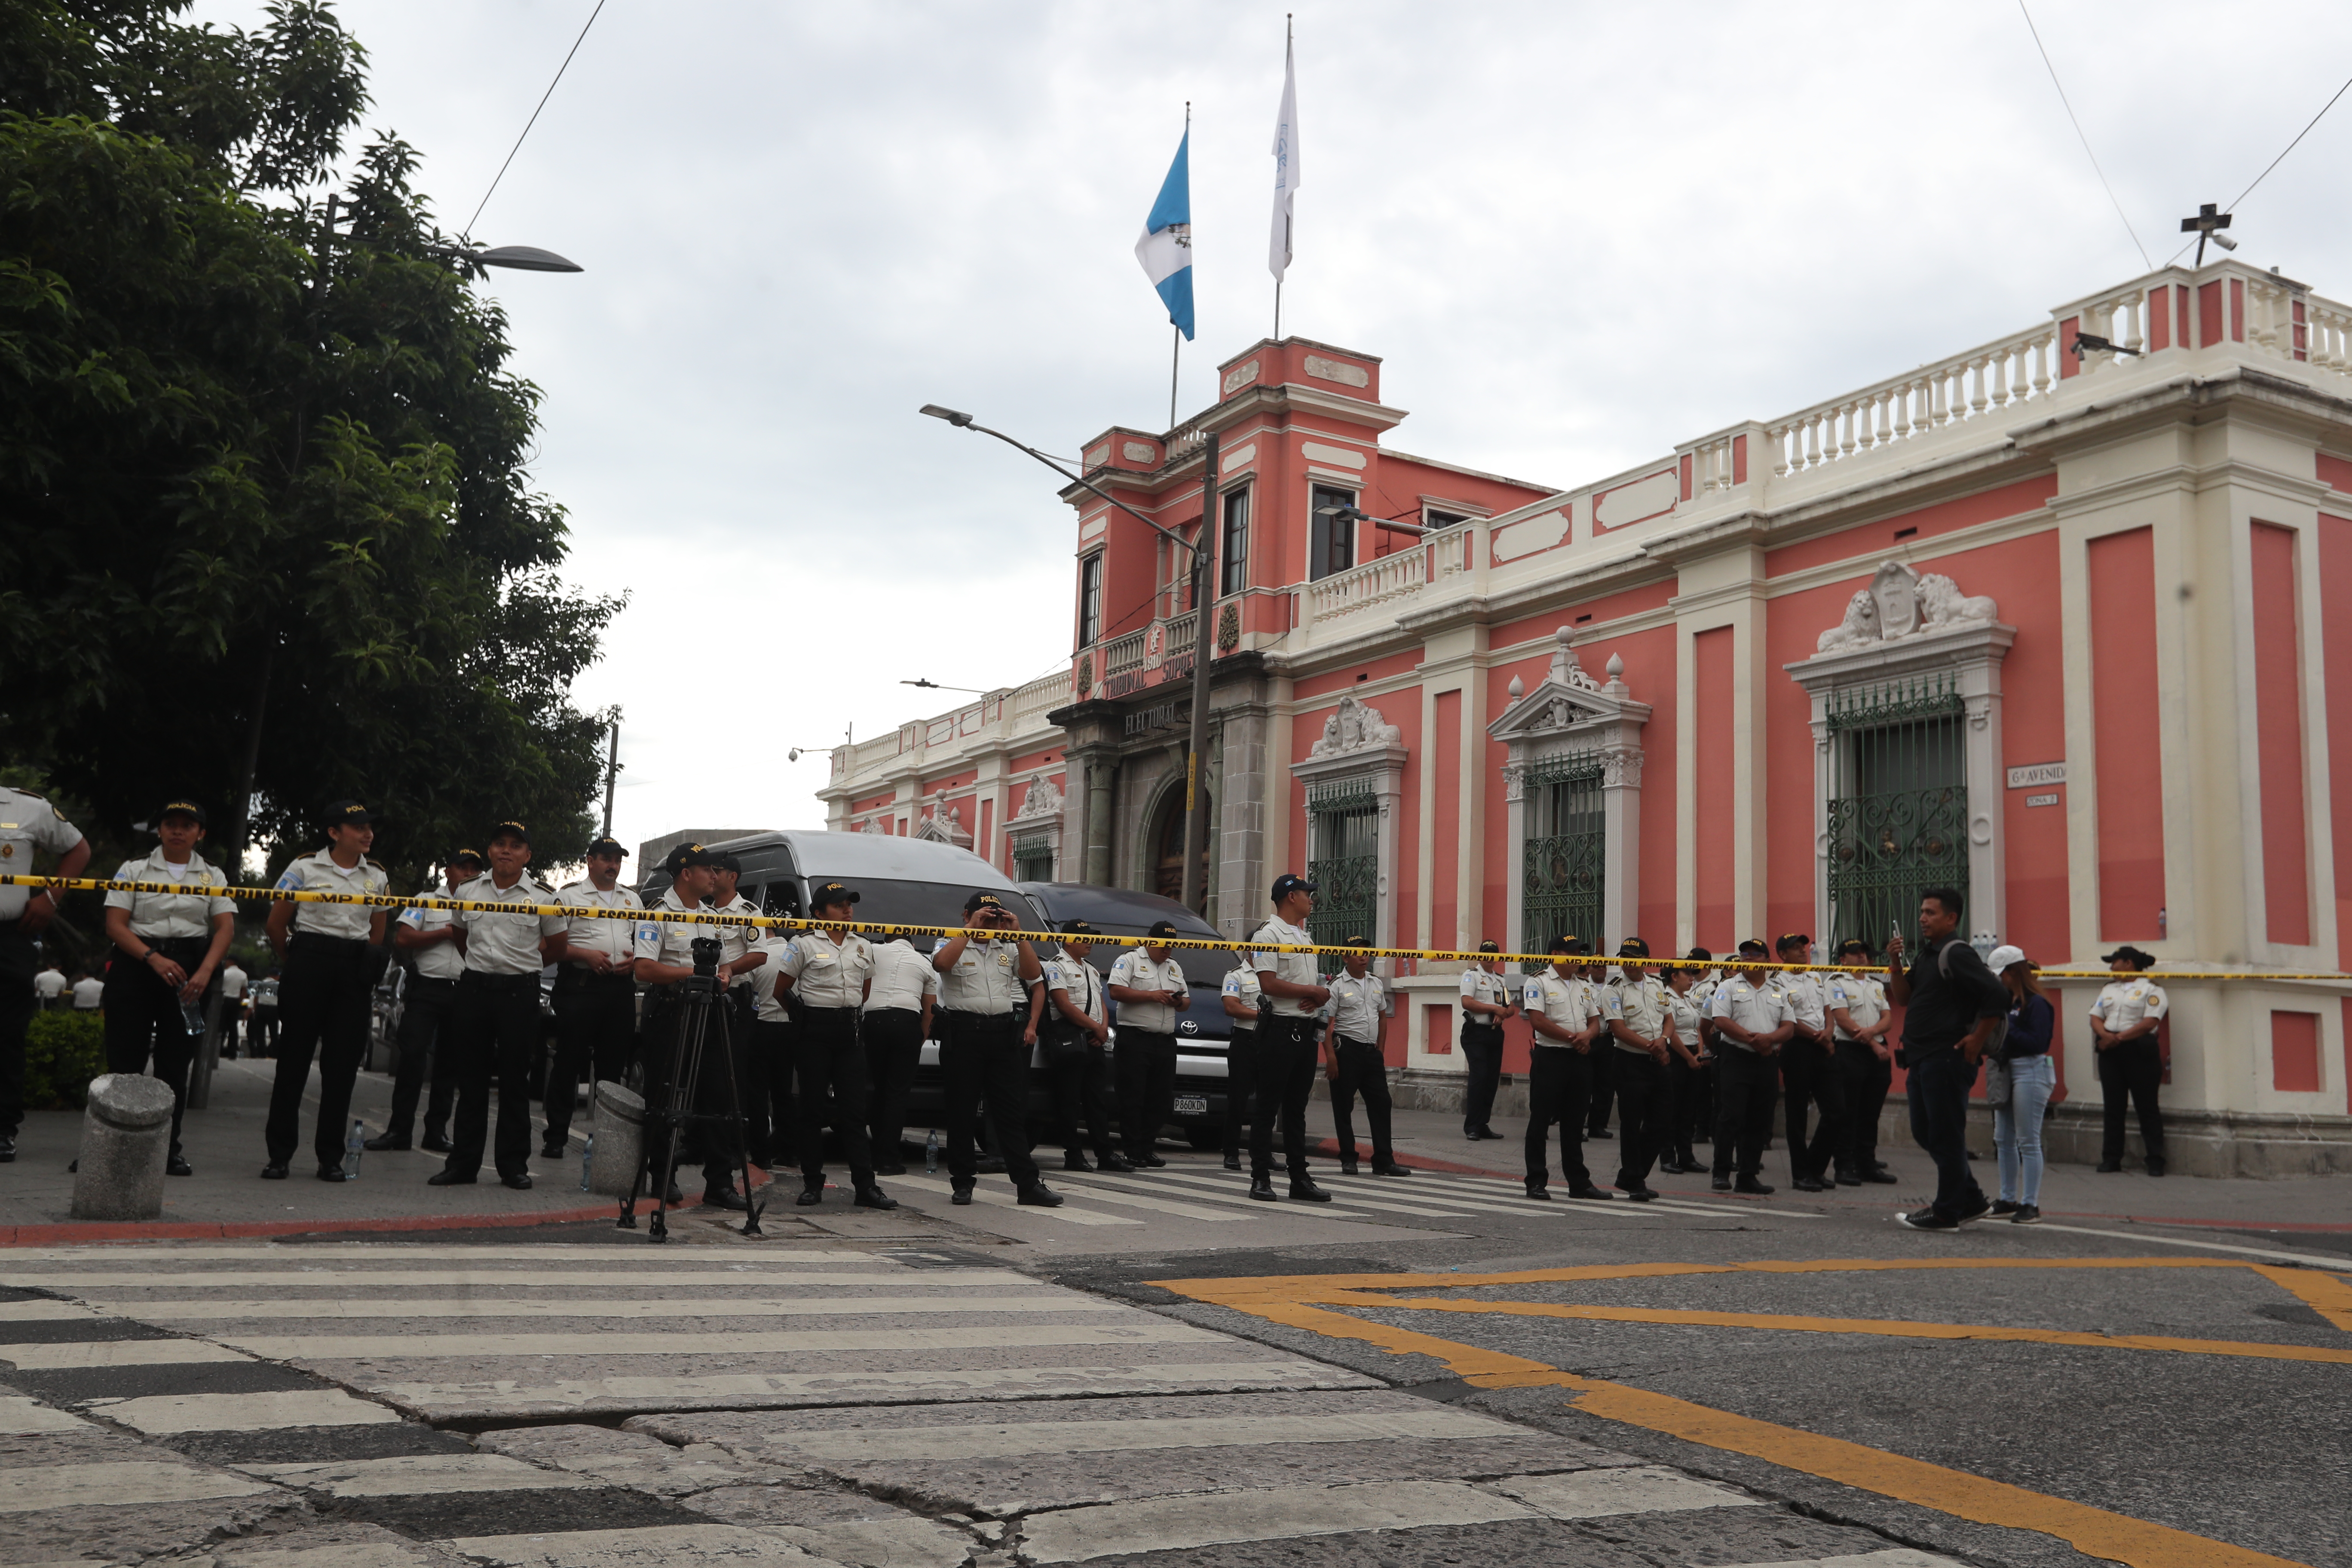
2033,1078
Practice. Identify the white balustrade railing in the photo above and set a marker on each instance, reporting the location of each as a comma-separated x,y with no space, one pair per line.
1040,696
1122,654
1998,376
1373,582
1182,630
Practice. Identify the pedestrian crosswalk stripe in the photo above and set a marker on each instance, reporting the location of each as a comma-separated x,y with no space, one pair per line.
1066,1214
35,1310
1227,1192
309,1254
24,1417
1076,1183
74,1354
116,1482
1597,1494
163,1414
679,1545
894,1277
1164,1524
1894,1557
846,1385
1010,1440
386,1554
991,1336
331,1308
413,1474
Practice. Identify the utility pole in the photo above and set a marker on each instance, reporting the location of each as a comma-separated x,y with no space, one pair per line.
1205,634
612,770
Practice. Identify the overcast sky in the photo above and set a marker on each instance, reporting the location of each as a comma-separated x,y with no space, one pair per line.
1577,234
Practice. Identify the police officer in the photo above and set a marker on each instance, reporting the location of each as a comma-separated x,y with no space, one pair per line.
665,954
1566,1014
984,1047
768,1058
167,947
1076,1030
1151,992
1243,1002
2131,1059
326,995
1685,1071
898,1014
1485,1004
1809,1071
1860,1018
428,999
828,970
595,990
28,826
496,1018
1359,1009
1639,1012
1285,1040
1752,1021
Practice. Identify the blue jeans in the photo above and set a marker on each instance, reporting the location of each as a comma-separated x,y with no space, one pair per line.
2017,1128
1938,1091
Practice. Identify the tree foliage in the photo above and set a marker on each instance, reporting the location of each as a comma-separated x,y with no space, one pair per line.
249,462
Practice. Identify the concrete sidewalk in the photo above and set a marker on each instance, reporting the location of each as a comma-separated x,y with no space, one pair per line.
2320,1204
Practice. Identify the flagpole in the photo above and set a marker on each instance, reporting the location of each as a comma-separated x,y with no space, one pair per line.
1277,310
1174,356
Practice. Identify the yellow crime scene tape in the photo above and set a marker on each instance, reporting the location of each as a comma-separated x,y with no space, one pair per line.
1727,961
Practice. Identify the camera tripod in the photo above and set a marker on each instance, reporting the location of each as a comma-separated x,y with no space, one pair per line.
696,1003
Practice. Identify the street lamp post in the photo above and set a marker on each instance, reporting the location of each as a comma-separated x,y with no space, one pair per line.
519,258
1196,824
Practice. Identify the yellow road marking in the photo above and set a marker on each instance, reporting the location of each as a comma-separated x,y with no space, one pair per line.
1288,1299
2329,1296
1893,1328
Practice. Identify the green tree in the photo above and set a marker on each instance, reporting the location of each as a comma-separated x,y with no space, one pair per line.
263,470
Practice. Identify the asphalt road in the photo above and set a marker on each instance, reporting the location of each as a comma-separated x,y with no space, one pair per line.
1427,1371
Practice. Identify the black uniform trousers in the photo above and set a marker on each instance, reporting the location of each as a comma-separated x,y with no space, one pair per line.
1284,1079
1482,1057
495,1029
427,1042
1077,1070
829,1084
711,1096
143,1019
324,997
1867,1078
1645,1104
2133,1071
1812,1082
1745,1087
1604,1059
261,1040
595,1034
1691,1120
1361,1072
982,1056
767,1119
17,966
1145,1066
894,1050
1559,1086
1241,1085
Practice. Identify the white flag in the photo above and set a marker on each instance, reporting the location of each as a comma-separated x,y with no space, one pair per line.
1286,168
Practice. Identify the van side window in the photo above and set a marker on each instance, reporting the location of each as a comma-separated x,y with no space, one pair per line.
779,898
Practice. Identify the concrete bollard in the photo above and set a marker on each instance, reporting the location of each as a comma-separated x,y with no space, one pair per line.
126,1131
620,1131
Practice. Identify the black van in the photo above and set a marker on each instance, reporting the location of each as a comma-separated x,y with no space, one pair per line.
1203,1031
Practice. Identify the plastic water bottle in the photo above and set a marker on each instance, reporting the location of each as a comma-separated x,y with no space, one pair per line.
354,1147
931,1153
193,1017
587,1161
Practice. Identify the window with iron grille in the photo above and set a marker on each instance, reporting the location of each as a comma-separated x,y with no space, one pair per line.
1898,803
1564,869
1032,858
1344,836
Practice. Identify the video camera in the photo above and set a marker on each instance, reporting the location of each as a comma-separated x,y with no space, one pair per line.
706,957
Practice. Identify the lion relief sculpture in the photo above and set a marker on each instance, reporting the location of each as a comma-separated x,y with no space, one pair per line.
1902,603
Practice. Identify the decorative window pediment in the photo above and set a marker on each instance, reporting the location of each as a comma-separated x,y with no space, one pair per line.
943,824
1355,779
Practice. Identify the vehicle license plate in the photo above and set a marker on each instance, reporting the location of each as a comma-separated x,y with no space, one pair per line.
1192,1105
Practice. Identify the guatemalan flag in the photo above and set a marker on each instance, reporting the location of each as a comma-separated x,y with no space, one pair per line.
1166,248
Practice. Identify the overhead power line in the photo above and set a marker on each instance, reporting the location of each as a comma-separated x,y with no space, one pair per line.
2277,161
544,97
2079,133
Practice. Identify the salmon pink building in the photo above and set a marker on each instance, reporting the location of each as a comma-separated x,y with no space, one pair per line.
2066,626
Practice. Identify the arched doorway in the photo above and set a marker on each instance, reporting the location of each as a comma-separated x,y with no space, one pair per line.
1167,844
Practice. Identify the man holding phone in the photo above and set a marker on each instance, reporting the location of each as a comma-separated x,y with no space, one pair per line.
1151,992
1950,1003
983,1050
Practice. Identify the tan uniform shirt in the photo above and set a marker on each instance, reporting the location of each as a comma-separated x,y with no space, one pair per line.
159,916
616,939
825,973
319,874
1641,1005
902,978
497,943
1571,1002
1294,968
1135,970
27,824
